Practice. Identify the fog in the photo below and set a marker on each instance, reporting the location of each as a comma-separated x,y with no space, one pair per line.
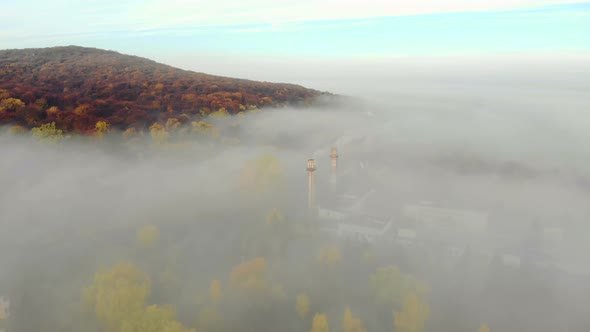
505,139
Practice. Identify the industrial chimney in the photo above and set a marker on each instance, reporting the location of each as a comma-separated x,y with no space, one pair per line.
334,165
310,183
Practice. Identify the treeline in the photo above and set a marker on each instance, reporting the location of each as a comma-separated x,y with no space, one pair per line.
253,293
76,87
171,133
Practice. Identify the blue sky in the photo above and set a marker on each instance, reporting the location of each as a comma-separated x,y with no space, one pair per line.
314,28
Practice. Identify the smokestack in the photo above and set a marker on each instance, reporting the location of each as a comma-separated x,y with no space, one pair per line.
310,183
334,165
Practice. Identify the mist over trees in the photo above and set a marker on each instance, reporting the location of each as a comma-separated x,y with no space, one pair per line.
444,213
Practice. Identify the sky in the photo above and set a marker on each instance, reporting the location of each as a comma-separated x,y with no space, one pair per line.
304,28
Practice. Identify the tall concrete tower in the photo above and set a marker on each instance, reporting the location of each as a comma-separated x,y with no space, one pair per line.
310,183
334,165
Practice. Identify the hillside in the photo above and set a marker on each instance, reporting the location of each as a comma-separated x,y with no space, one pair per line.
75,87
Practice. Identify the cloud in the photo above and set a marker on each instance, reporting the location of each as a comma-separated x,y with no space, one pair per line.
90,16
181,12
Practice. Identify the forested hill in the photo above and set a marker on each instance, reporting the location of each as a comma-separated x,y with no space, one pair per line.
75,87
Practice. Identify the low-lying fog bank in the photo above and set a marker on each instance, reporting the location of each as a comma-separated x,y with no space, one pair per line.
436,150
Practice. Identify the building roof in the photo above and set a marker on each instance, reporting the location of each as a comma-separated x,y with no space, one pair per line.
447,217
357,223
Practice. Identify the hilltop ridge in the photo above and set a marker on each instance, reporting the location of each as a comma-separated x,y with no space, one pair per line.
77,86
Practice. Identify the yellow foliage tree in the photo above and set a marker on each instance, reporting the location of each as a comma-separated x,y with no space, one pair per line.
209,319
101,128
253,109
484,328
172,124
250,275
17,130
82,109
148,235
220,113
205,129
251,280
11,105
275,217
302,305
330,256
215,294
414,315
351,323
175,326
4,94
264,174
129,133
390,286
117,294
47,133
52,110
153,319
320,323
159,133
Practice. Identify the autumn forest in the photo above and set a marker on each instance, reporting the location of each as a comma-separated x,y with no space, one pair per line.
76,87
